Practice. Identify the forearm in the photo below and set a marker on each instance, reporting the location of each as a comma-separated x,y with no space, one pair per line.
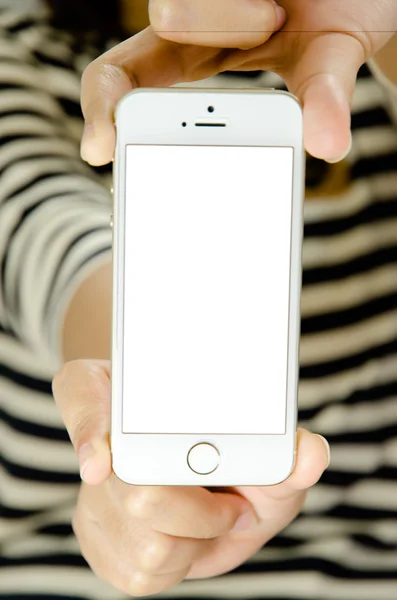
86,331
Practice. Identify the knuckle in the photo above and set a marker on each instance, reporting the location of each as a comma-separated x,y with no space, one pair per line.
73,370
221,524
155,555
99,75
139,585
144,503
63,375
164,16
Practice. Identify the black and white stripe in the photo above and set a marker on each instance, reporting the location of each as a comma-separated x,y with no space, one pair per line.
54,214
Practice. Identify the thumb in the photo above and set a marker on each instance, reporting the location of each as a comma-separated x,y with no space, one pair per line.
220,24
323,78
82,393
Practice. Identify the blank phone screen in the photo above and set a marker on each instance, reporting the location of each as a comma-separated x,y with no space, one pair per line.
206,289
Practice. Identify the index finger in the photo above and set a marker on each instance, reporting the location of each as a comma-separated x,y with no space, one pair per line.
145,60
190,512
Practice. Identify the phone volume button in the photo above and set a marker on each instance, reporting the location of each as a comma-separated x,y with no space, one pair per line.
111,221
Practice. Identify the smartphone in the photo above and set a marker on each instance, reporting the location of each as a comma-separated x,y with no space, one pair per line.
207,237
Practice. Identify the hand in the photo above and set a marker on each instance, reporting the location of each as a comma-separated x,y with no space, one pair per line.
144,540
318,52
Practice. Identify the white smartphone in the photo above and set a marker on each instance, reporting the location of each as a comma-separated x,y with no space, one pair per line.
207,235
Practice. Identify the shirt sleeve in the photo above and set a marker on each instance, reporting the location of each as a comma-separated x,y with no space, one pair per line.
54,209
389,88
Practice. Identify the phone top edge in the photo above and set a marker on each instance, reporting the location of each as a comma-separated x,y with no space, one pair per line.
202,90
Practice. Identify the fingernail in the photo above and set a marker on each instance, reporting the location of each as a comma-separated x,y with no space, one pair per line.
85,454
281,14
326,444
336,160
86,140
245,521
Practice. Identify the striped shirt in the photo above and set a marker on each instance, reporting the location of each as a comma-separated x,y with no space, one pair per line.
54,231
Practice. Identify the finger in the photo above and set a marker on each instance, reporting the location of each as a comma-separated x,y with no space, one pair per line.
324,78
321,70
82,392
152,552
144,60
107,79
147,550
312,458
190,512
222,24
115,567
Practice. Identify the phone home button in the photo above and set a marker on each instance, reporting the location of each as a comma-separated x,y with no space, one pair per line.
203,458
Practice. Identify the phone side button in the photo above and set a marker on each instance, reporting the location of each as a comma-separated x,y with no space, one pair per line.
203,458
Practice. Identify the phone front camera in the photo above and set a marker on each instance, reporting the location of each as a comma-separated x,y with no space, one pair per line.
183,124
211,109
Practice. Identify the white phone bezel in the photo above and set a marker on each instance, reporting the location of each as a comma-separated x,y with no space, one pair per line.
254,117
